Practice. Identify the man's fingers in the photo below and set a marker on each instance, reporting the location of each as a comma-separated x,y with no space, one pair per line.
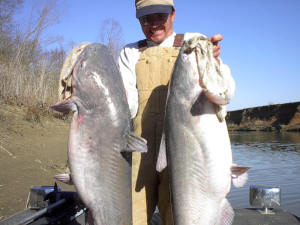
216,38
216,47
216,53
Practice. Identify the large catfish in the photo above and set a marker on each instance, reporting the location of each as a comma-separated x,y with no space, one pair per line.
100,140
198,149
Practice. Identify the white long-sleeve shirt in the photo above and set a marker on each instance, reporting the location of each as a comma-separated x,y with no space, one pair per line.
128,59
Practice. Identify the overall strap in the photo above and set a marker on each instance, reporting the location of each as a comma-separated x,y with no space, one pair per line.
178,41
142,44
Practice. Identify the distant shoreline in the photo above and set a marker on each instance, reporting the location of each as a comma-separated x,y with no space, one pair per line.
274,118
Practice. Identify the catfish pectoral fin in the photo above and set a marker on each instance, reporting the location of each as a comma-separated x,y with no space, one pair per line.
136,144
64,106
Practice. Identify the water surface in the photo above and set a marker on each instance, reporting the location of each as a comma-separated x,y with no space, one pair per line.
275,158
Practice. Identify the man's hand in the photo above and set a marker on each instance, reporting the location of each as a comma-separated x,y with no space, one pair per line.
216,47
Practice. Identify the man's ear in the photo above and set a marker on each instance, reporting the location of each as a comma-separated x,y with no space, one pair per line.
173,14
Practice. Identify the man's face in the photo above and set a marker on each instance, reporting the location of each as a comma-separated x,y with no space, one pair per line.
157,27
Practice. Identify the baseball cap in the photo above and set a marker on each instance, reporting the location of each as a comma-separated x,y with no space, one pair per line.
146,7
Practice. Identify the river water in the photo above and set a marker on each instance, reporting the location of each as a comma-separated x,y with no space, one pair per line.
275,158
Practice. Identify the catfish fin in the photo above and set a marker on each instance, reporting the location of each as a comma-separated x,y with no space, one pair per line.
237,170
136,144
227,213
239,175
240,181
161,163
64,178
64,106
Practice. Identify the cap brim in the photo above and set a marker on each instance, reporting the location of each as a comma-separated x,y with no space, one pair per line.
147,10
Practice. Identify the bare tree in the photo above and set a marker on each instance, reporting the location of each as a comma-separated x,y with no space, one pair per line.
43,15
7,10
111,36
31,74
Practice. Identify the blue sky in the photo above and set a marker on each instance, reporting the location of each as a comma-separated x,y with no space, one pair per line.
261,38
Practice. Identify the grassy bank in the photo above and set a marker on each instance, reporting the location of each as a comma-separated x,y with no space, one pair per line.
25,85
29,72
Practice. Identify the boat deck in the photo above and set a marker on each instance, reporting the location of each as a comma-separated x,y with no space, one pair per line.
242,217
68,209
254,216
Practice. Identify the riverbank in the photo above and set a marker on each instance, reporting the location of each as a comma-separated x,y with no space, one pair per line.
278,117
33,148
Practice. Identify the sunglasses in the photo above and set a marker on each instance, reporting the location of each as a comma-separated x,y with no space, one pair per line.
154,19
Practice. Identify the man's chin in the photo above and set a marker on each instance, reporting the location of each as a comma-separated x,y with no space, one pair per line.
157,38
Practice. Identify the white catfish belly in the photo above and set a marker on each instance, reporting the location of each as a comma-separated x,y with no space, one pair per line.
215,144
101,175
199,157
199,164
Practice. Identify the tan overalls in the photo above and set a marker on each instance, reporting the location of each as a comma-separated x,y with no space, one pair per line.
150,188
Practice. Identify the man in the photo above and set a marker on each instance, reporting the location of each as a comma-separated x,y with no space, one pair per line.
146,68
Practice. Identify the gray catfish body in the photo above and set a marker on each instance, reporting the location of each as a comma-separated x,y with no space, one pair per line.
197,143
100,139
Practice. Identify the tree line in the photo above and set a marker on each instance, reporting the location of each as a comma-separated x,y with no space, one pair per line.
29,73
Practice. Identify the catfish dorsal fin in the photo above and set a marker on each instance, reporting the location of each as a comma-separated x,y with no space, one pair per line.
135,144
